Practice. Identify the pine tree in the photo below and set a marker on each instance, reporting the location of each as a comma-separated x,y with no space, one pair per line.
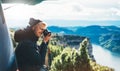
85,65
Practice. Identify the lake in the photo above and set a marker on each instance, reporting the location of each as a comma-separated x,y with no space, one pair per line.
106,58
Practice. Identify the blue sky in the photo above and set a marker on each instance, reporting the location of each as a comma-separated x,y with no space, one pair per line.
65,12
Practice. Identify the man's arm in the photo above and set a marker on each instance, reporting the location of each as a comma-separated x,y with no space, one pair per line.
43,47
42,51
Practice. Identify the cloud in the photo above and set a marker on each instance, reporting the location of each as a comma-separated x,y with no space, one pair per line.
69,10
80,9
89,10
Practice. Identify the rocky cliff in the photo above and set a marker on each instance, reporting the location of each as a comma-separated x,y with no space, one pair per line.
72,41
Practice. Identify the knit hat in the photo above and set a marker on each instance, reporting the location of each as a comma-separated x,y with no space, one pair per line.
33,21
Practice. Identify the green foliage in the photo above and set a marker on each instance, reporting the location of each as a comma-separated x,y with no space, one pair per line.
84,55
12,38
97,67
75,60
55,50
65,61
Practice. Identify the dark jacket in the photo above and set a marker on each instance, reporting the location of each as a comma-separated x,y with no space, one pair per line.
28,54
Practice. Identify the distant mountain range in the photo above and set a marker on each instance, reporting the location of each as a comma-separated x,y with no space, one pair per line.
95,33
92,32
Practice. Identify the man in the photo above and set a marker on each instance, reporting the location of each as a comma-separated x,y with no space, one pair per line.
31,57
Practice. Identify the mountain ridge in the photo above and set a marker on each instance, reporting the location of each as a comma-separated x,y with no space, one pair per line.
94,33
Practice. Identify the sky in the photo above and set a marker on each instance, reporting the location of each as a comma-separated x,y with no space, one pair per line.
59,12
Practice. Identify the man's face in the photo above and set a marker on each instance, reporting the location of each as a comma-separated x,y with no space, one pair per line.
39,28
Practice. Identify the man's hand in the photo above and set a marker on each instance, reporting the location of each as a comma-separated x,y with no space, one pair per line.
17,70
47,38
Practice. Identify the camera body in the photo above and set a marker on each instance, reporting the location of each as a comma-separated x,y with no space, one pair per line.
46,32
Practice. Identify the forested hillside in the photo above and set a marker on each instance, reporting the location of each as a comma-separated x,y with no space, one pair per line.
111,41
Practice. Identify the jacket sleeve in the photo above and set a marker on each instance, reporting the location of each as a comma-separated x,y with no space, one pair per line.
42,51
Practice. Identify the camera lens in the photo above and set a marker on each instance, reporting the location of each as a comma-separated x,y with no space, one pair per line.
45,33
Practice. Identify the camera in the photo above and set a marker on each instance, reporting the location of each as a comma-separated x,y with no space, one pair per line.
46,32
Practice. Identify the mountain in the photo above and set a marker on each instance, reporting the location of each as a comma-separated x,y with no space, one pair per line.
94,33
113,28
62,30
111,41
